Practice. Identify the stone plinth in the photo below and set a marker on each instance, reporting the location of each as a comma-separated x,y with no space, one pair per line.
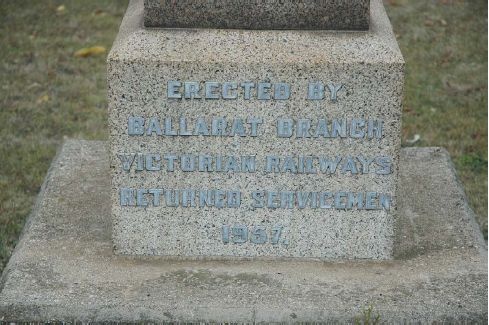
258,14
247,143
63,268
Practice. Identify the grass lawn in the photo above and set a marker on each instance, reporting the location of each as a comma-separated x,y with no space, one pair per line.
444,43
48,93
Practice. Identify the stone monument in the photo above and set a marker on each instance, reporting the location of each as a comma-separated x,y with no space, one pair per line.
276,144
256,175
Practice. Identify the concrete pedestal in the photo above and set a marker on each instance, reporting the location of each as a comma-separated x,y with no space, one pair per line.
64,268
366,66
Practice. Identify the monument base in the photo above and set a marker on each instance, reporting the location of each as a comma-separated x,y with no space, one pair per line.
63,268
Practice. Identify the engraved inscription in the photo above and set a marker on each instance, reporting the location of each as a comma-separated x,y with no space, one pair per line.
219,126
326,128
330,165
351,130
191,198
240,234
248,90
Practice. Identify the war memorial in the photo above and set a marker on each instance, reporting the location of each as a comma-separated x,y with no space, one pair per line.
253,173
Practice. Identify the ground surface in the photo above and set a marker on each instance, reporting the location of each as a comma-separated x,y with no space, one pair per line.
48,93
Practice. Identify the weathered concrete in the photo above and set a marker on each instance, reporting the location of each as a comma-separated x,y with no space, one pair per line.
64,268
258,14
369,65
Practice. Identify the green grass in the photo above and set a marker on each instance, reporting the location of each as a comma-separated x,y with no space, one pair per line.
369,317
444,43
47,94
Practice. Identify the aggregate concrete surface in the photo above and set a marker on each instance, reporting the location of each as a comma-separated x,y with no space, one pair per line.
64,269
